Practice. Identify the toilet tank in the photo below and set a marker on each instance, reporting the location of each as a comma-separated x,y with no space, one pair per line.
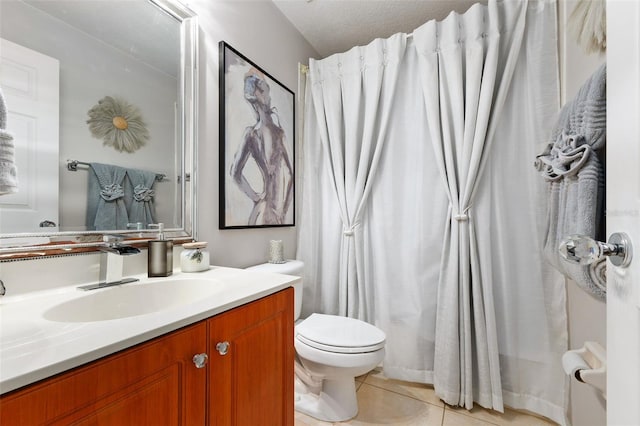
290,267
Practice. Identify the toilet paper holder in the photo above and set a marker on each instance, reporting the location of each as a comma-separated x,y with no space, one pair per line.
588,365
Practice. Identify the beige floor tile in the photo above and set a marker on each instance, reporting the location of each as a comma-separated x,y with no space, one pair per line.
381,407
414,390
361,378
453,418
510,417
304,420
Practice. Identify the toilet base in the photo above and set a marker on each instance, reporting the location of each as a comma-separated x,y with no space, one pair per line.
336,402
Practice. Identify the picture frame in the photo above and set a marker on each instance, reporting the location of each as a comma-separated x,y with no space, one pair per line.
256,145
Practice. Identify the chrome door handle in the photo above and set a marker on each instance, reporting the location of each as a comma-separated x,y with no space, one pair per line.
200,360
222,347
585,250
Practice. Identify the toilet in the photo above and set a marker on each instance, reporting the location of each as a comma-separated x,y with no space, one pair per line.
331,351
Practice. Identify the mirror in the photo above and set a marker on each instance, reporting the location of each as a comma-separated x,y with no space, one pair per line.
101,102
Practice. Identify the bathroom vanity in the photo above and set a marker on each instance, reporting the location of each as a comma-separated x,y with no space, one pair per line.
228,359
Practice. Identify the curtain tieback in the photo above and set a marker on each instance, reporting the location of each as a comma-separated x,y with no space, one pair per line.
348,231
462,217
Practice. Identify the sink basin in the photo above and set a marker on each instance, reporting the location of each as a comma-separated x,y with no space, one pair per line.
131,300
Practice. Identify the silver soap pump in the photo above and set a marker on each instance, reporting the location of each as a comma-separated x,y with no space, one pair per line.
160,254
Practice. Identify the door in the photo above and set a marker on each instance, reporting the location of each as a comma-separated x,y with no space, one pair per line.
154,383
251,364
30,84
623,210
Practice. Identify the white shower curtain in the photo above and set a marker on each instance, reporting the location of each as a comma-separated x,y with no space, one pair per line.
447,259
466,63
352,103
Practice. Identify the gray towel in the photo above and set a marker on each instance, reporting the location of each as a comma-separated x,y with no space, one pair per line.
575,175
8,170
106,209
139,195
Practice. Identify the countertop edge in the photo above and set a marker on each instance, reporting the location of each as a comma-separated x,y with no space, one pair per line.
36,375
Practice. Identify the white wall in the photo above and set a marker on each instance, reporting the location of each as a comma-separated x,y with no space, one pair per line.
259,31
587,316
90,70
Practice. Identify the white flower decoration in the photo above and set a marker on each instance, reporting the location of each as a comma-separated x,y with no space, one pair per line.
118,123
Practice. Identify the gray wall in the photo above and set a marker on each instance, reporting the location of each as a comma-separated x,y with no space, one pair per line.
259,31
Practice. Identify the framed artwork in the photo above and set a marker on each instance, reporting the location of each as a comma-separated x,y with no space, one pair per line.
257,130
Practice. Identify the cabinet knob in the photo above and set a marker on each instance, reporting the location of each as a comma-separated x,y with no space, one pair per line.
200,360
222,348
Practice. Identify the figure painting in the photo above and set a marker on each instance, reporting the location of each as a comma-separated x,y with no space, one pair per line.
256,145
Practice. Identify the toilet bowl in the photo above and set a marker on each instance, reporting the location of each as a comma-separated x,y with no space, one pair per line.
330,352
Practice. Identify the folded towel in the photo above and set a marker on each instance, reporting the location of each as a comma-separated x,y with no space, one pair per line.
8,170
139,195
106,209
575,176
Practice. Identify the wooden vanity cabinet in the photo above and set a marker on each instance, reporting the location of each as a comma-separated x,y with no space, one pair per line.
157,382
154,383
251,357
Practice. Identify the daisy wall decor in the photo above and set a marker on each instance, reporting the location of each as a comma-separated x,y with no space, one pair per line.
118,123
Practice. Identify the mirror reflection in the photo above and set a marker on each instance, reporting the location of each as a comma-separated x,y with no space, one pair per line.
95,104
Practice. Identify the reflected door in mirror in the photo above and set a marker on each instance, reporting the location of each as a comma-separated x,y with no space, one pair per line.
29,82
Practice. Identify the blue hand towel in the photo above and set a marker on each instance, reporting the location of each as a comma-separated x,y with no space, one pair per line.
139,196
106,209
575,176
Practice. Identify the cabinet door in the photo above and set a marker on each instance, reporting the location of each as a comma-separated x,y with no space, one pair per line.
251,379
155,383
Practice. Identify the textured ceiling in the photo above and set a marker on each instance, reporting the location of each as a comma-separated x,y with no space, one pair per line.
333,26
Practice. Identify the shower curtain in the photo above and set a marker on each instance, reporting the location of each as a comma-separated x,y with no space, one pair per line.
420,212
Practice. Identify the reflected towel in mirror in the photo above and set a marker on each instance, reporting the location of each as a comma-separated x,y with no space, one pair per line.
139,196
106,208
8,171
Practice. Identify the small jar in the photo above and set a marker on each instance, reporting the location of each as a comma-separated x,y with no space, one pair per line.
194,257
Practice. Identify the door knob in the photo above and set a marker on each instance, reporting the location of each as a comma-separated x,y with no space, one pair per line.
584,250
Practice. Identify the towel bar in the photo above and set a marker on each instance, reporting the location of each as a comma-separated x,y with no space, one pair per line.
72,166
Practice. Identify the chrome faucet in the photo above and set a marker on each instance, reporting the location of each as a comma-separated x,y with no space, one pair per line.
112,262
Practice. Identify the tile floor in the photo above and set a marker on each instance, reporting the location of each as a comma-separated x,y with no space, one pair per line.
385,401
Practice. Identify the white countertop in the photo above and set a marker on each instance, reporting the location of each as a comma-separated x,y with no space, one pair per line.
33,348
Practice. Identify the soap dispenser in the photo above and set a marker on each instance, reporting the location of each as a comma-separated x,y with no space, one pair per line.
160,254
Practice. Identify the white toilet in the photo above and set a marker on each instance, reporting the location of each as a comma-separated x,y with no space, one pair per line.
331,351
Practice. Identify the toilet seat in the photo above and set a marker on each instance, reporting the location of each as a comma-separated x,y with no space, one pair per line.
337,334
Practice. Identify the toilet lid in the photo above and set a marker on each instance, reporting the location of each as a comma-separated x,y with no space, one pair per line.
339,334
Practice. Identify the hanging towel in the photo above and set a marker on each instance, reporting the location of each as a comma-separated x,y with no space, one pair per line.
8,171
575,175
106,209
139,196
